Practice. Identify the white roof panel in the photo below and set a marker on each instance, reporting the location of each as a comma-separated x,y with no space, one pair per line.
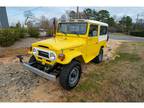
96,22
89,21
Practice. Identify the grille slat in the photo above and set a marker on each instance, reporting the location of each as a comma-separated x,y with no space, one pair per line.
43,54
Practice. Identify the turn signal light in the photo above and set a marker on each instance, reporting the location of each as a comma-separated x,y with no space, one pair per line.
61,57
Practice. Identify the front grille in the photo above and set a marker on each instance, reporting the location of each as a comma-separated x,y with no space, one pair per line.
43,54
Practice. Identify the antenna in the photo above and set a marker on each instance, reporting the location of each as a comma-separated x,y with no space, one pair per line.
77,12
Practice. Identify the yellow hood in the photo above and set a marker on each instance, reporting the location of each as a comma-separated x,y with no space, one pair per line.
59,43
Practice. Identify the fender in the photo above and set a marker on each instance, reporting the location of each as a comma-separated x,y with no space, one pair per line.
69,56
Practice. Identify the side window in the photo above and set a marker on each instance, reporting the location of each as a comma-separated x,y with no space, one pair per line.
103,30
93,30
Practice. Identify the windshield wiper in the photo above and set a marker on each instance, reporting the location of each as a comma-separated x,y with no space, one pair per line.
75,33
64,33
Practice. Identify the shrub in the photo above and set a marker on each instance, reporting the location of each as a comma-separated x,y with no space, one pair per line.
33,32
21,32
7,37
50,32
15,34
137,33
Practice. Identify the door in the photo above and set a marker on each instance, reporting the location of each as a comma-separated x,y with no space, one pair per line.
103,33
92,43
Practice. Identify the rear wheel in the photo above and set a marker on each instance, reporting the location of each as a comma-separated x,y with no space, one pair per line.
99,58
70,75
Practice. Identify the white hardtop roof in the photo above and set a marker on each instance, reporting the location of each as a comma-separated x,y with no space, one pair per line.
89,21
96,22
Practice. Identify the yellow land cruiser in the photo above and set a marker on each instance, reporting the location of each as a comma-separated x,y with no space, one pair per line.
76,41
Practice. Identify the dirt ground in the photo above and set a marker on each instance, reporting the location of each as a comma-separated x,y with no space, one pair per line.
19,85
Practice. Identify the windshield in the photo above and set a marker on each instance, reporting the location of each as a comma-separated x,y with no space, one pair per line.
72,28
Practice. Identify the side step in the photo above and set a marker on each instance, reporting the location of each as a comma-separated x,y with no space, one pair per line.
39,72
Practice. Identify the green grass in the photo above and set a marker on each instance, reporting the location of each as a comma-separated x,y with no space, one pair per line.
121,79
132,57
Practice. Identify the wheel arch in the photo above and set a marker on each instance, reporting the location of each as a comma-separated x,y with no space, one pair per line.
79,58
75,56
102,47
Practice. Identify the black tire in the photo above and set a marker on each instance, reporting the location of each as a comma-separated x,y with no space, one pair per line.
68,70
99,58
108,36
32,61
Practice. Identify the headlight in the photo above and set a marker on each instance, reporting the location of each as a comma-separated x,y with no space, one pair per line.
52,56
34,50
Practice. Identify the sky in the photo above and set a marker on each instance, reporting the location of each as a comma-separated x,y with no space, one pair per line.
16,14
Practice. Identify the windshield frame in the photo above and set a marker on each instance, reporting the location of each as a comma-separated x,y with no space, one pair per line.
74,23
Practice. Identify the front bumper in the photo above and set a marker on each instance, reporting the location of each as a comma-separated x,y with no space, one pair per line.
35,70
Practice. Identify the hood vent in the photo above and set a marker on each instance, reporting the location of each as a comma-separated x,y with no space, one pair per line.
43,46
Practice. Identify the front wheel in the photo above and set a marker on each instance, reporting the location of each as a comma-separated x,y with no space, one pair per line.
70,75
32,61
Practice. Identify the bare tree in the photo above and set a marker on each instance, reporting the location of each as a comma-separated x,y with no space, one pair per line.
44,22
28,15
